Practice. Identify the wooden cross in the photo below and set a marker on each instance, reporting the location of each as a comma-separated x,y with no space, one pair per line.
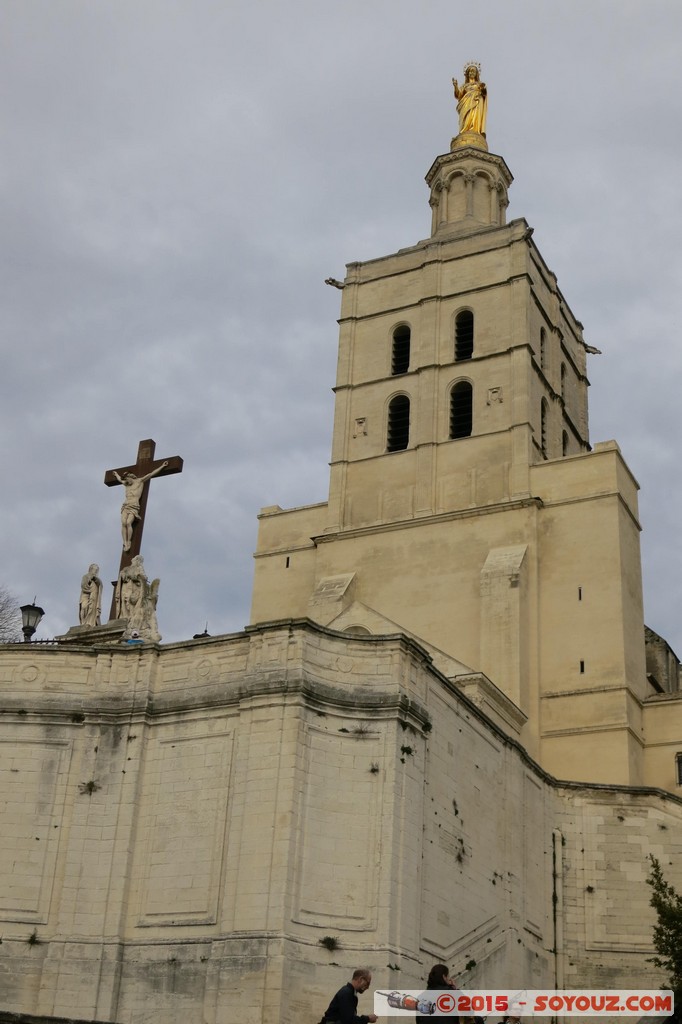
135,503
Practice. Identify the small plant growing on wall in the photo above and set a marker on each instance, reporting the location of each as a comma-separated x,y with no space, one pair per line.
374,767
33,939
406,751
89,787
330,942
667,902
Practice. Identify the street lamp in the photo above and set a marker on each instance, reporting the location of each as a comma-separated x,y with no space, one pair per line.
31,615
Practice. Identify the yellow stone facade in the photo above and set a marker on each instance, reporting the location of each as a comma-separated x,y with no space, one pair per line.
182,825
511,551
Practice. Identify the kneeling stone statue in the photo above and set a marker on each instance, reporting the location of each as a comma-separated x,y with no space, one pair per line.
136,600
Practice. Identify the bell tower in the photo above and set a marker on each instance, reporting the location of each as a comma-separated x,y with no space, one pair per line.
460,363
466,507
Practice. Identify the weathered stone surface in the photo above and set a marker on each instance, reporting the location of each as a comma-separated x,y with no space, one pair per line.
183,824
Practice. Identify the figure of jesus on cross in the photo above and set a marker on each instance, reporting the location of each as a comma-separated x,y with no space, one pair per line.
135,480
130,509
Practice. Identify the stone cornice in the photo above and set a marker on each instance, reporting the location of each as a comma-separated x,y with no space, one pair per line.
468,154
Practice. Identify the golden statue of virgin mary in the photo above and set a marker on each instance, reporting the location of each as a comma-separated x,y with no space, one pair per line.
472,105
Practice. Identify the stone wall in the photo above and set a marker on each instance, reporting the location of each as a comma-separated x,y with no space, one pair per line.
183,825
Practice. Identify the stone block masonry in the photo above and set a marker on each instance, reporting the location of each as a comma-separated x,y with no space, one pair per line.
182,826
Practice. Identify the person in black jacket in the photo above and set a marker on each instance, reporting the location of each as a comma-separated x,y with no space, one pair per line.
343,1008
439,978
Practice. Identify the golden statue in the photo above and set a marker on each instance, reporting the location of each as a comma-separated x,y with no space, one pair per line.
473,100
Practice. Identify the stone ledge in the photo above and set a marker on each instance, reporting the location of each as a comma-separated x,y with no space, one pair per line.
110,633
6,1017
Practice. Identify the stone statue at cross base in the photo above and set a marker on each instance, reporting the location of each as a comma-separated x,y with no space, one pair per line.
136,600
90,604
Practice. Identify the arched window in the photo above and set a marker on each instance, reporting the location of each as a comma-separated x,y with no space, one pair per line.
464,335
400,353
543,348
398,435
564,443
461,409
543,428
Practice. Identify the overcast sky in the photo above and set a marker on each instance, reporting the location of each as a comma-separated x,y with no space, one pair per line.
178,178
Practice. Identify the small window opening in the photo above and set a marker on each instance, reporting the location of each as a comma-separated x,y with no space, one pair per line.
678,767
564,443
543,348
400,355
563,381
398,424
580,593
461,410
287,565
543,428
464,335
582,667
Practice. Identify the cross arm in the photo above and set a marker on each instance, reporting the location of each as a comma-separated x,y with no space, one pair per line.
172,465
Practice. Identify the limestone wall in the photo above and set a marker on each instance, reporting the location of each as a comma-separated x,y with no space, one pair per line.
182,826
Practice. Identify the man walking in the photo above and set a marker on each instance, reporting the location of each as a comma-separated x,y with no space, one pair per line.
343,1008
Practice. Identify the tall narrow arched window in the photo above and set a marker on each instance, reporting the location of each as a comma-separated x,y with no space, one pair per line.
543,428
543,348
564,443
563,381
400,352
461,409
398,434
464,335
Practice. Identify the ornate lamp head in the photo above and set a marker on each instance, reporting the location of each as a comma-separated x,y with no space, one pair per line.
31,614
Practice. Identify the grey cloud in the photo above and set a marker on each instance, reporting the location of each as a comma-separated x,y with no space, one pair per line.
179,178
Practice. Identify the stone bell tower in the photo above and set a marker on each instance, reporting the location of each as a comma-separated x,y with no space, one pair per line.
466,507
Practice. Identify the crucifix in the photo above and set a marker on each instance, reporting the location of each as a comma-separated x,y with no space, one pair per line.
135,480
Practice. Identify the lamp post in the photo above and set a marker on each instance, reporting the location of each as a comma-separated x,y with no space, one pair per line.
31,615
